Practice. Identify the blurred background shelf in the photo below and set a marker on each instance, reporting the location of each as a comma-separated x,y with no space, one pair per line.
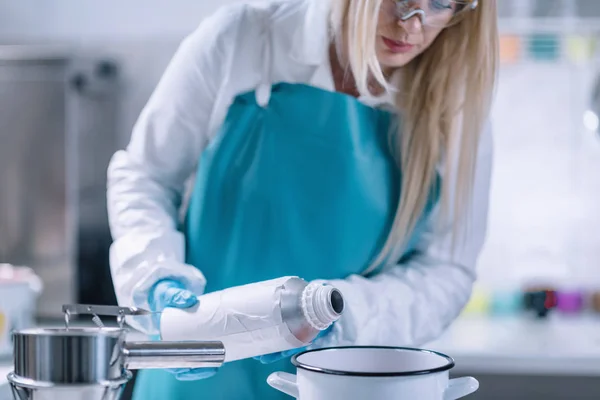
549,25
558,346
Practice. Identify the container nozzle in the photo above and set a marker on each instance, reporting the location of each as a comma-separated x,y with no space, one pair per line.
322,305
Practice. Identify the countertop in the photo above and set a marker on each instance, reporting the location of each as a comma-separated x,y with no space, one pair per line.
560,346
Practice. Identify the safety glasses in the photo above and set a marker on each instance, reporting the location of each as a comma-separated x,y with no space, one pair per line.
432,13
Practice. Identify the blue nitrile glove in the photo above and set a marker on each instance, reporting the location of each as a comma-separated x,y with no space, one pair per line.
274,357
170,293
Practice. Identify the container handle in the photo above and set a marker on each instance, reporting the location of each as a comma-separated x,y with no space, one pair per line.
461,387
285,383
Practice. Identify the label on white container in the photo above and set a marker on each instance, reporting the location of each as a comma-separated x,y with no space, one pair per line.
247,319
4,329
16,312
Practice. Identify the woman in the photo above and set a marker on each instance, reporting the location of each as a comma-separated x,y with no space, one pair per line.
341,140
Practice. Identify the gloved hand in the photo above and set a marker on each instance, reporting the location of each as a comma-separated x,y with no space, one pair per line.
171,293
274,357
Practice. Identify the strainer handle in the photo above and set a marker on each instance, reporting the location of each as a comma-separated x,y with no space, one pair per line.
164,355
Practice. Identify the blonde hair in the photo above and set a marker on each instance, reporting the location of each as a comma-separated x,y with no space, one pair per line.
444,98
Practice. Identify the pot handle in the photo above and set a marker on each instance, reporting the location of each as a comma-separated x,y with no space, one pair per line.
460,387
284,382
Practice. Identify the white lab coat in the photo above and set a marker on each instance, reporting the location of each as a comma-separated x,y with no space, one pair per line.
408,304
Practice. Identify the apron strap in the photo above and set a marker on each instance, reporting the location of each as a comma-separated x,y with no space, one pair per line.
263,91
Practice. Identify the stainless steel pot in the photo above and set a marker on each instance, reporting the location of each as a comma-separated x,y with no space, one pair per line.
94,363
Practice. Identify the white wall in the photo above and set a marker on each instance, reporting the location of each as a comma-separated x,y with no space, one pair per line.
95,19
544,218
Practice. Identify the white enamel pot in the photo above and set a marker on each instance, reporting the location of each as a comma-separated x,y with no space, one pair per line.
373,373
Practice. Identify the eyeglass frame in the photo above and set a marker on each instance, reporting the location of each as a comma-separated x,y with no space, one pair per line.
422,14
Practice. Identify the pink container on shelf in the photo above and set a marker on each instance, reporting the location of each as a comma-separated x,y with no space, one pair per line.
570,301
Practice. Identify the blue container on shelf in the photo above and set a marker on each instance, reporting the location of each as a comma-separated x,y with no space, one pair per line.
506,302
544,47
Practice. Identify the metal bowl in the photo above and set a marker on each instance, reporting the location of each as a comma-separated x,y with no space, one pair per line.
69,356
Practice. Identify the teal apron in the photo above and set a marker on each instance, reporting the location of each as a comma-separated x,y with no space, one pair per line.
305,186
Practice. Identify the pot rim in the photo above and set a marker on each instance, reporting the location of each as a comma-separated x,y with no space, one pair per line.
448,366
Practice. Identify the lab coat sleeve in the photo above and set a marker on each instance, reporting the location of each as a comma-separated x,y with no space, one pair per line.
146,181
412,303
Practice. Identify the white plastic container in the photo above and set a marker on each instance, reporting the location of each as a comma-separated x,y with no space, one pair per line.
256,319
373,373
19,289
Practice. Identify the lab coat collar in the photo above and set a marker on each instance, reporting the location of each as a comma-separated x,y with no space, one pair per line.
311,38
